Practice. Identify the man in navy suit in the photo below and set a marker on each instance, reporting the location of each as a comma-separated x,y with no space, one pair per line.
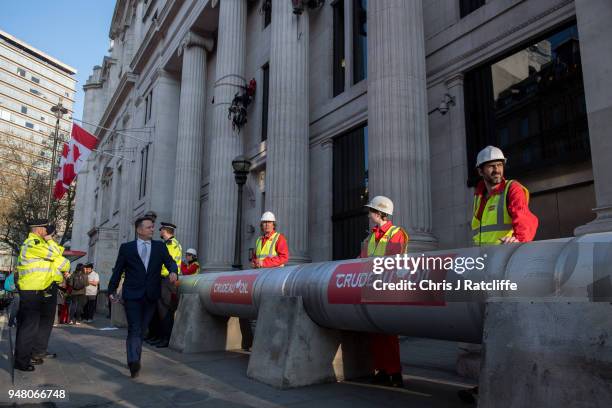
141,261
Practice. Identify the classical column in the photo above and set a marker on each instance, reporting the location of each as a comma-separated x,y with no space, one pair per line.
225,144
189,146
461,195
166,100
287,164
321,209
595,31
398,137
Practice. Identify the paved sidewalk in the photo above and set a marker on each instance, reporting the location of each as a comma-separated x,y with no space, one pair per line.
91,368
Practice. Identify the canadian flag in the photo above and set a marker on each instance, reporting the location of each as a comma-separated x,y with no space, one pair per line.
74,155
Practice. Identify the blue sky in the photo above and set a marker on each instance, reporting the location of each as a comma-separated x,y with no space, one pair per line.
72,31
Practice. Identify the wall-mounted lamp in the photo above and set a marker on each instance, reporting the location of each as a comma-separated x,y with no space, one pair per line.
447,100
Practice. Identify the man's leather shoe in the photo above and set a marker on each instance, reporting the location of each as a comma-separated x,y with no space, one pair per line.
163,344
29,367
134,368
36,361
152,340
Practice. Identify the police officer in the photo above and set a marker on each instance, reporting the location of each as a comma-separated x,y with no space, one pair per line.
166,306
40,267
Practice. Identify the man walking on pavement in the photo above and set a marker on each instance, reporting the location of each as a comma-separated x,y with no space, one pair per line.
501,214
40,268
166,307
386,239
141,260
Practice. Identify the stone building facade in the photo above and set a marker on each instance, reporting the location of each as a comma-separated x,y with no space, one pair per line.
354,98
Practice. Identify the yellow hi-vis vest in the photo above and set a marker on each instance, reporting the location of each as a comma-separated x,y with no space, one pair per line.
176,253
380,248
40,263
496,222
267,250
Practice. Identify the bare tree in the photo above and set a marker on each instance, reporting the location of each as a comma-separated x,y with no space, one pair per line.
23,195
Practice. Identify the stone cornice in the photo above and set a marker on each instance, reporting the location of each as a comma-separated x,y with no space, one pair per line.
92,85
126,83
155,34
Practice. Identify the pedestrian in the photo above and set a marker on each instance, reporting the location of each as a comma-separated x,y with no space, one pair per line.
167,304
78,282
500,216
63,302
141,261
192,266
40,266
386,239
91,291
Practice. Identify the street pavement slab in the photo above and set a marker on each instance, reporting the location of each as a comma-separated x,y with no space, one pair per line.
91,369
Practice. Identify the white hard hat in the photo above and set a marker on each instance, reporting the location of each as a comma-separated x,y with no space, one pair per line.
268,216
191,251
490,153
382,204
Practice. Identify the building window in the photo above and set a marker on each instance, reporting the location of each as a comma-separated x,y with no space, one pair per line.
265,101
350,192
144,164
530,103
35,80
24,109
339,60
118,190
148,106
29,125
266,8
34,91
21,72
360,43
42,118
467,6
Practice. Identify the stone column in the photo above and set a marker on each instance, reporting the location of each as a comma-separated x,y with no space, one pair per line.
321,207
166,100
595,31
462,195
287,167
225,144
189,146
398,140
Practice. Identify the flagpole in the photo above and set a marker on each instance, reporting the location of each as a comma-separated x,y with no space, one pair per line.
59,111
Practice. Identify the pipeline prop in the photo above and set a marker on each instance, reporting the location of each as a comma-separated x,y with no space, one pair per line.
341,294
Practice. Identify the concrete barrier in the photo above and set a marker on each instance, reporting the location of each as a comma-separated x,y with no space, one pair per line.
290,350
